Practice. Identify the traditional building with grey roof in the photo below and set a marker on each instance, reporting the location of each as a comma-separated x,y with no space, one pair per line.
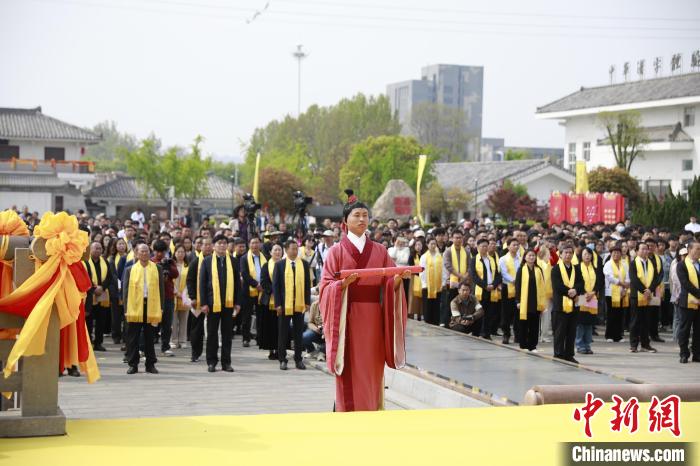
668,107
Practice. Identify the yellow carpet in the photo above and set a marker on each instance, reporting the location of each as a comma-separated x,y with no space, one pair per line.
477,436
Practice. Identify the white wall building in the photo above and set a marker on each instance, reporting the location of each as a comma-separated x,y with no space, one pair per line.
40,161
668,107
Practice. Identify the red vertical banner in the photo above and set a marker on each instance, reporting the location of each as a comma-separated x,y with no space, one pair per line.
557,208
574,208
609,203
591,208
620,208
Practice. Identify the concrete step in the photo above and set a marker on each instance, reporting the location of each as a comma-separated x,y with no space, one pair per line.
415,392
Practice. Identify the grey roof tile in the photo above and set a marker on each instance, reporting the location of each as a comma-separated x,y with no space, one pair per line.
125,187
669,87
465,175
21,123
31,180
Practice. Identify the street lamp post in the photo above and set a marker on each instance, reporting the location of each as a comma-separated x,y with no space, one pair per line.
299,55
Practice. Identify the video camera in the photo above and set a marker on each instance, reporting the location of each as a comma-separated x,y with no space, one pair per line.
250,206
301,201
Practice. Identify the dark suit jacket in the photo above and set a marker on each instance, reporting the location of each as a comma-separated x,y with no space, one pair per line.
191,280
206,291
636,285
559,290
248,279
109,283
486,295
686,286
266,283
125,286
278,283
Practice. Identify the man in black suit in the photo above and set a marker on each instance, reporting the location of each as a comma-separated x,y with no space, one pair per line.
487,280
689,302
196,324
565,291
252,289
220,308
641,294
97,302
294,308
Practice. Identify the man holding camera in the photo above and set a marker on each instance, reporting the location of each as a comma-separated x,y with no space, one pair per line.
167,265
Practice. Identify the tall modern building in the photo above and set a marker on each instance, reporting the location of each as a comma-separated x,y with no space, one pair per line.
456,86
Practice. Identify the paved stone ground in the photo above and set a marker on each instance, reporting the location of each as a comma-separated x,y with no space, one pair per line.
184,388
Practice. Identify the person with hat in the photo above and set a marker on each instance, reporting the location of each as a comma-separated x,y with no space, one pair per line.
362,332
327,241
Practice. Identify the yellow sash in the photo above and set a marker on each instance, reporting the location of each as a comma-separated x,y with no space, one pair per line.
547,272
134,310
130,256
172,249
525,289
294,302
693,277
95,282
510,267
659,268
616,290
460,264
574,260
270,269
479,268
416,283
646,280
567,303
253,292
181,284
433,270
228,292
589,279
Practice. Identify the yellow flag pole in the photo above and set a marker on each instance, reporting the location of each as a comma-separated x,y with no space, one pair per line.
581,177
255,179
422,160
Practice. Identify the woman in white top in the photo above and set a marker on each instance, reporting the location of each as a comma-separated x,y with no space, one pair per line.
182,307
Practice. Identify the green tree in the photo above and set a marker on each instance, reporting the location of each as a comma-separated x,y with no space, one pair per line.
316,145
109,153
433,199
275,189
672,212
185,172
441,127
512,154
458,199
625,135
377,160
602,180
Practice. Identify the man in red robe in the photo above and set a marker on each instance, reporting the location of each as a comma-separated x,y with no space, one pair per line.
364,318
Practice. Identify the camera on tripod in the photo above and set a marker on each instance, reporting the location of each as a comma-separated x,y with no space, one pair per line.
250,206
301,201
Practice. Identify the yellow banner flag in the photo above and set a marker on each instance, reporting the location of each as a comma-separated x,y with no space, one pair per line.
255,178
581,177
422,160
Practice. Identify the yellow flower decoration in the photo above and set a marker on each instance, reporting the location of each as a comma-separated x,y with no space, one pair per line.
63,237
12,224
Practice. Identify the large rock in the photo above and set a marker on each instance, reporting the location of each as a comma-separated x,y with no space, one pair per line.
397,201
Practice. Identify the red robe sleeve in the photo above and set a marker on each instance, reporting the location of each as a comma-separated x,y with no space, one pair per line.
333,301
395,310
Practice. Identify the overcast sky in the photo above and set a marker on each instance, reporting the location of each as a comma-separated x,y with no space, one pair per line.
179,68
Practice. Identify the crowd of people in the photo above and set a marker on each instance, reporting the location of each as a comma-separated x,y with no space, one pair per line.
167,283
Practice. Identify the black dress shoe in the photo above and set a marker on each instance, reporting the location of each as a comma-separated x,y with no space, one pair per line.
684,360
506,340
487,337
572,359
272,356
212,368
132,370
73,372
193,359
151,369
633,350
122,348
657,339
696,359
246,344
649,349
300,365
98,348
227,368
283,366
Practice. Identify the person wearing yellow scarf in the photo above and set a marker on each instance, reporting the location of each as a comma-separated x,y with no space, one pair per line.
432,282
509,265
530,288
567,284
643,280
593,284
455,259
415,297
267,338
117,261
291,283
219,284
182,300
97,303
487,279
689,303
617,294
251,270
143,292
655,311
194,273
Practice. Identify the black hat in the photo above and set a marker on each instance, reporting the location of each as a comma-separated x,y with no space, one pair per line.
352,204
